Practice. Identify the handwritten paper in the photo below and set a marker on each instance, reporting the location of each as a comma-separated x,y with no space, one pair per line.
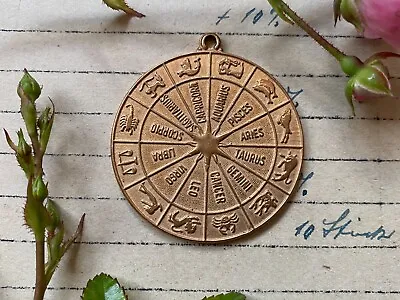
336,238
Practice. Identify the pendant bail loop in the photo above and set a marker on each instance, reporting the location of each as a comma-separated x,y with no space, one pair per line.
210,41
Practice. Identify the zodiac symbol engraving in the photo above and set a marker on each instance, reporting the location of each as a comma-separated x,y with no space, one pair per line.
289,163
189,223
226,223
128,122
263,203
152,84
266,87
284,121
237,67
187,68
127,165
153,206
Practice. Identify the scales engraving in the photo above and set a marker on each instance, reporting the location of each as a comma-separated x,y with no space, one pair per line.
213,177
128,162
187,68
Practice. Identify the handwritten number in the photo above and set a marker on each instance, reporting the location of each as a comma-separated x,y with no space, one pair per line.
248,14
307,233
275,16
258,17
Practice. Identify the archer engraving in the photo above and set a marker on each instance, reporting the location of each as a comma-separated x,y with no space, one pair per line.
187,68
128,122
127,162
263,203
152,206
284,121
289,163
226,223
152,84
231,67
188,224
266,87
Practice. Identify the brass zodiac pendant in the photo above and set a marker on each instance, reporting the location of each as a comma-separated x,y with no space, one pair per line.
207,146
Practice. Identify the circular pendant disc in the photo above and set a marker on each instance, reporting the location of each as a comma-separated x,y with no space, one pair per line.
207,146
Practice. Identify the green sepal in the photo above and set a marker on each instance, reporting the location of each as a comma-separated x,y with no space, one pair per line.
229,296
9,141
35,214
121,5
28,87
349,94
45,124
336,10
350,12
103,287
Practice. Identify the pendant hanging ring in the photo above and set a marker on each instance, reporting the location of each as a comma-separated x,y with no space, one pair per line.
210,41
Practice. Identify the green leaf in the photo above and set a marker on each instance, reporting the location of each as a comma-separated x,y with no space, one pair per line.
121,5
103,287
229,296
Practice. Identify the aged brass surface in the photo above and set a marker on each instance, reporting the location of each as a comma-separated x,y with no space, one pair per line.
207,146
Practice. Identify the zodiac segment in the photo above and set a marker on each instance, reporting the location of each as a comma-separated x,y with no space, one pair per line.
284,121
127,162
214,182
267,88
129,123
186,224
152,84
288,164
263,203
231,67
226,224
188,69
150,206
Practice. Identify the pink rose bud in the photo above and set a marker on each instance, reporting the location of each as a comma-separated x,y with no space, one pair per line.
374,18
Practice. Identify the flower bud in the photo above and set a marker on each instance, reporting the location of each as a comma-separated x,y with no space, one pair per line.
28,87
45,123
39,189
368,80
24,155
23,149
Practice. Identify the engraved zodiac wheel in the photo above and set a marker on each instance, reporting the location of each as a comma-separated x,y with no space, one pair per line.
207,146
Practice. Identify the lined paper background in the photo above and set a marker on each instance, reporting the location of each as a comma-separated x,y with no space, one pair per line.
87,57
